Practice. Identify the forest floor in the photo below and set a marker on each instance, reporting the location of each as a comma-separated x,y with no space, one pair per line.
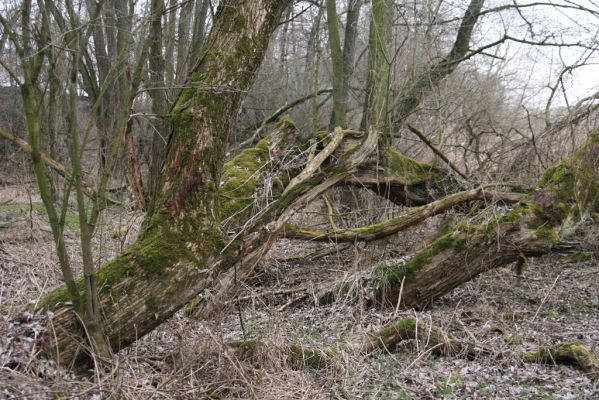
555,300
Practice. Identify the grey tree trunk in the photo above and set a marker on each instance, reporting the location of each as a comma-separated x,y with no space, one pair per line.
337,61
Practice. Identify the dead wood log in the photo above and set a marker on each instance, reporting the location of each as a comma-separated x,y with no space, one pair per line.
569,354
403,180
429,337
399,223
300,191
539,224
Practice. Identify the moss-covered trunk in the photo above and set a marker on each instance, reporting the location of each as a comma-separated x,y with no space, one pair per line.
180,248
537,225
404,181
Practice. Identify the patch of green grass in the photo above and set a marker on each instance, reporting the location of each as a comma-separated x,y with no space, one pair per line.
548,314
403,394
449,385
17,210
580,256
71,221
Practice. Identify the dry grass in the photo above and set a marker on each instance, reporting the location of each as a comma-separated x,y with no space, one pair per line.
556,300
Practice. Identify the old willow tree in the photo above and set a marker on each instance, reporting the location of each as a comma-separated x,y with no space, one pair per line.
209,222
180,248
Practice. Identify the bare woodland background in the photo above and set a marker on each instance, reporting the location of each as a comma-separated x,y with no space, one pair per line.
475,103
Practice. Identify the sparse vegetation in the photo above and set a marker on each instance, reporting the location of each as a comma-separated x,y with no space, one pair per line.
276,199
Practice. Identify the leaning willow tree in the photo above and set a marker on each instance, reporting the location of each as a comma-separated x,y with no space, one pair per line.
201,232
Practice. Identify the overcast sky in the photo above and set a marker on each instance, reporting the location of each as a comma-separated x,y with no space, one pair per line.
540,66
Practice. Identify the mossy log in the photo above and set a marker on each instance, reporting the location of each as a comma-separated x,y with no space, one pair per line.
200,237
402,222
182,245
403,180
428,336
539,224
569,354
315,179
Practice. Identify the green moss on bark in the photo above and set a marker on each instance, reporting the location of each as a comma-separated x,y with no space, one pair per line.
396,274
404,325
307,357
412,170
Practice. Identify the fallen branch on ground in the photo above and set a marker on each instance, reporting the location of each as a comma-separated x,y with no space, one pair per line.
569,354
432,339
399,223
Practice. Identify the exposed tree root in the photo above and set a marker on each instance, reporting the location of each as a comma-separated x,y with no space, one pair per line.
569,354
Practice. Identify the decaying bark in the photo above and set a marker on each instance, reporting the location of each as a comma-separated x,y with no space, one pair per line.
181,246
567,353
399,223
539,224
352,149
136,180
429,336
404,181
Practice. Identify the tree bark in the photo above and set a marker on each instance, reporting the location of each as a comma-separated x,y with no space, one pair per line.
379,63
157,93
404,181
181,246
136,180
337,61
349,51
399,223
537,225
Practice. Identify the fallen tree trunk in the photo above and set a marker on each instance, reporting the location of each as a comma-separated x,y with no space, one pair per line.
539,224
404,181
430,337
